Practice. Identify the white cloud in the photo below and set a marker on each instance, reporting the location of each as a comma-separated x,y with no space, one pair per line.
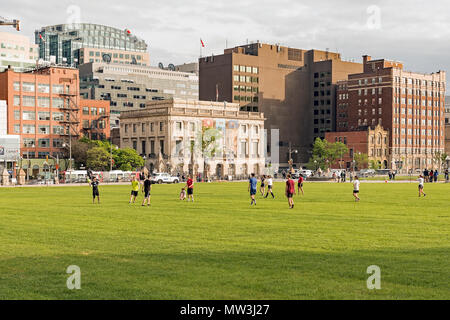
414,31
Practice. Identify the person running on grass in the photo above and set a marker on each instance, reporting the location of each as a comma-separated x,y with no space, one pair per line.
356,188
252,184
190,188
95,193
300,185
262,189
134,189
270,187
421,183
147,186
290,191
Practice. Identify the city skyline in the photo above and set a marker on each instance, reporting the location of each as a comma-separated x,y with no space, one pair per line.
173,32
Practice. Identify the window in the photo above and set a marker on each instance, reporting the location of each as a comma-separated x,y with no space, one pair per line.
28,87
44,143
28,129
86,111
161,145
16,101
29,115
28,101
43,88
161,126
16,114
57,102
28,143
16,86
44,129
57,88
94,111
43,102
57,143
17,128
43,116
58,130
178,126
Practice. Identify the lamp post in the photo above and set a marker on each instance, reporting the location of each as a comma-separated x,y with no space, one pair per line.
70,152
290,161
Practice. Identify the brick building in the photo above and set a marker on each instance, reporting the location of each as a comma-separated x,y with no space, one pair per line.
409,105
45,109
294,88
373,142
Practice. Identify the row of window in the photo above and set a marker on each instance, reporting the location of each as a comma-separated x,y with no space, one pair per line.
422,122
246,79
94,111
416,132
246,89
41,129
417,102
245,69
42,143
41,115
419,82
418,112
418,142
115,55
41,87
246,99
43,102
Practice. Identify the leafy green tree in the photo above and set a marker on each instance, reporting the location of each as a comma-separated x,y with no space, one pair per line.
125,167
97,158
361,160
325,154
127,156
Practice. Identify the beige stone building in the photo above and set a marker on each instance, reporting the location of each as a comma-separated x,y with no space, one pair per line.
196,137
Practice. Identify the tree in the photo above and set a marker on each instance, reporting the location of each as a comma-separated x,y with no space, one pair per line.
361,160
127,156
440,158
97,158
325,154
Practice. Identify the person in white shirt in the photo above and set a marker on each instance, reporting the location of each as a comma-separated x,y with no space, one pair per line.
421,182
356,188
269,187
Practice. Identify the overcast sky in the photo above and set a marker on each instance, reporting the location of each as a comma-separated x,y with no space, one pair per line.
412,31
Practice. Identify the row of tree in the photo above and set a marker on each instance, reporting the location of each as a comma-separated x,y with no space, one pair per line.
96,155
325,154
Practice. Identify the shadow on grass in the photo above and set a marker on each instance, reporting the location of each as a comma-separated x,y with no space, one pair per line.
406,274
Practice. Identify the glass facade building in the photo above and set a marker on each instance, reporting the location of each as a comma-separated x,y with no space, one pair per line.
66,40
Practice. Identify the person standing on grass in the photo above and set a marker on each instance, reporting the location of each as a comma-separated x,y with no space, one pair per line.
95,193
446,175
356,184
146,190
436,176
430,176
270,187
134,189
190,188
421,183
252,185
262,189
300,185
290,191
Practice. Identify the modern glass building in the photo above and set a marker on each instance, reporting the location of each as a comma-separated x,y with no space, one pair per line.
66,40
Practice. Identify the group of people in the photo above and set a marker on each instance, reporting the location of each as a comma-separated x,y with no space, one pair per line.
289,191
430,175
144,184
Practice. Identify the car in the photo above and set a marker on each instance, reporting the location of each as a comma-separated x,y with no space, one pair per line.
162,177
306,173
366,172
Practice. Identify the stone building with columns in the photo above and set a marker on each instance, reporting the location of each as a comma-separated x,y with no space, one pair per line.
213,139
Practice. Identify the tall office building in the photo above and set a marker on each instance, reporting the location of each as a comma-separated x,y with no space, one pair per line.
129,87
294,88
85,42
409,105
17,51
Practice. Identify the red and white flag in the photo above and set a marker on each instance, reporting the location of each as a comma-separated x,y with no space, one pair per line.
40,37
203,44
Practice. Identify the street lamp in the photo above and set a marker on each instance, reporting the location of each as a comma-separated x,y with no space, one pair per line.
70,152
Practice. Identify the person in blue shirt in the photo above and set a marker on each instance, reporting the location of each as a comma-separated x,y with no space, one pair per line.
252,184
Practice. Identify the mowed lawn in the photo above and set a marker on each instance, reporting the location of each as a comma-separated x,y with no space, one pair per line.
221,248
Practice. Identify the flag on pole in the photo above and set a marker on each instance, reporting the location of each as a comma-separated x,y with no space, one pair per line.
203,44
40,37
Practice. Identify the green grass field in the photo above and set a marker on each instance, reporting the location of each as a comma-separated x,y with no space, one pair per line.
221,248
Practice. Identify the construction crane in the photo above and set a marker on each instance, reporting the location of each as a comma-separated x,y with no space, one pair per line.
6,22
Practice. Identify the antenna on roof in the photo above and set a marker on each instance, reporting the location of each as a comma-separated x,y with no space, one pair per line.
161,65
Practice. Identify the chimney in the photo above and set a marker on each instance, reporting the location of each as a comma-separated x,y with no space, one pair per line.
366,58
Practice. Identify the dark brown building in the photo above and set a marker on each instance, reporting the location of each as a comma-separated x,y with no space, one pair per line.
295,88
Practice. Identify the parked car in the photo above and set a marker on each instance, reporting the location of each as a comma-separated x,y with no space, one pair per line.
306,173
164,178
366,172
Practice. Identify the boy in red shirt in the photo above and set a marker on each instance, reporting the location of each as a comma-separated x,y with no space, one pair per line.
290,191
300,185
190,188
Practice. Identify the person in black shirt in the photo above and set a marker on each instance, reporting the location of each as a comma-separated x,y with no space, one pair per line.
95,192
146,191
